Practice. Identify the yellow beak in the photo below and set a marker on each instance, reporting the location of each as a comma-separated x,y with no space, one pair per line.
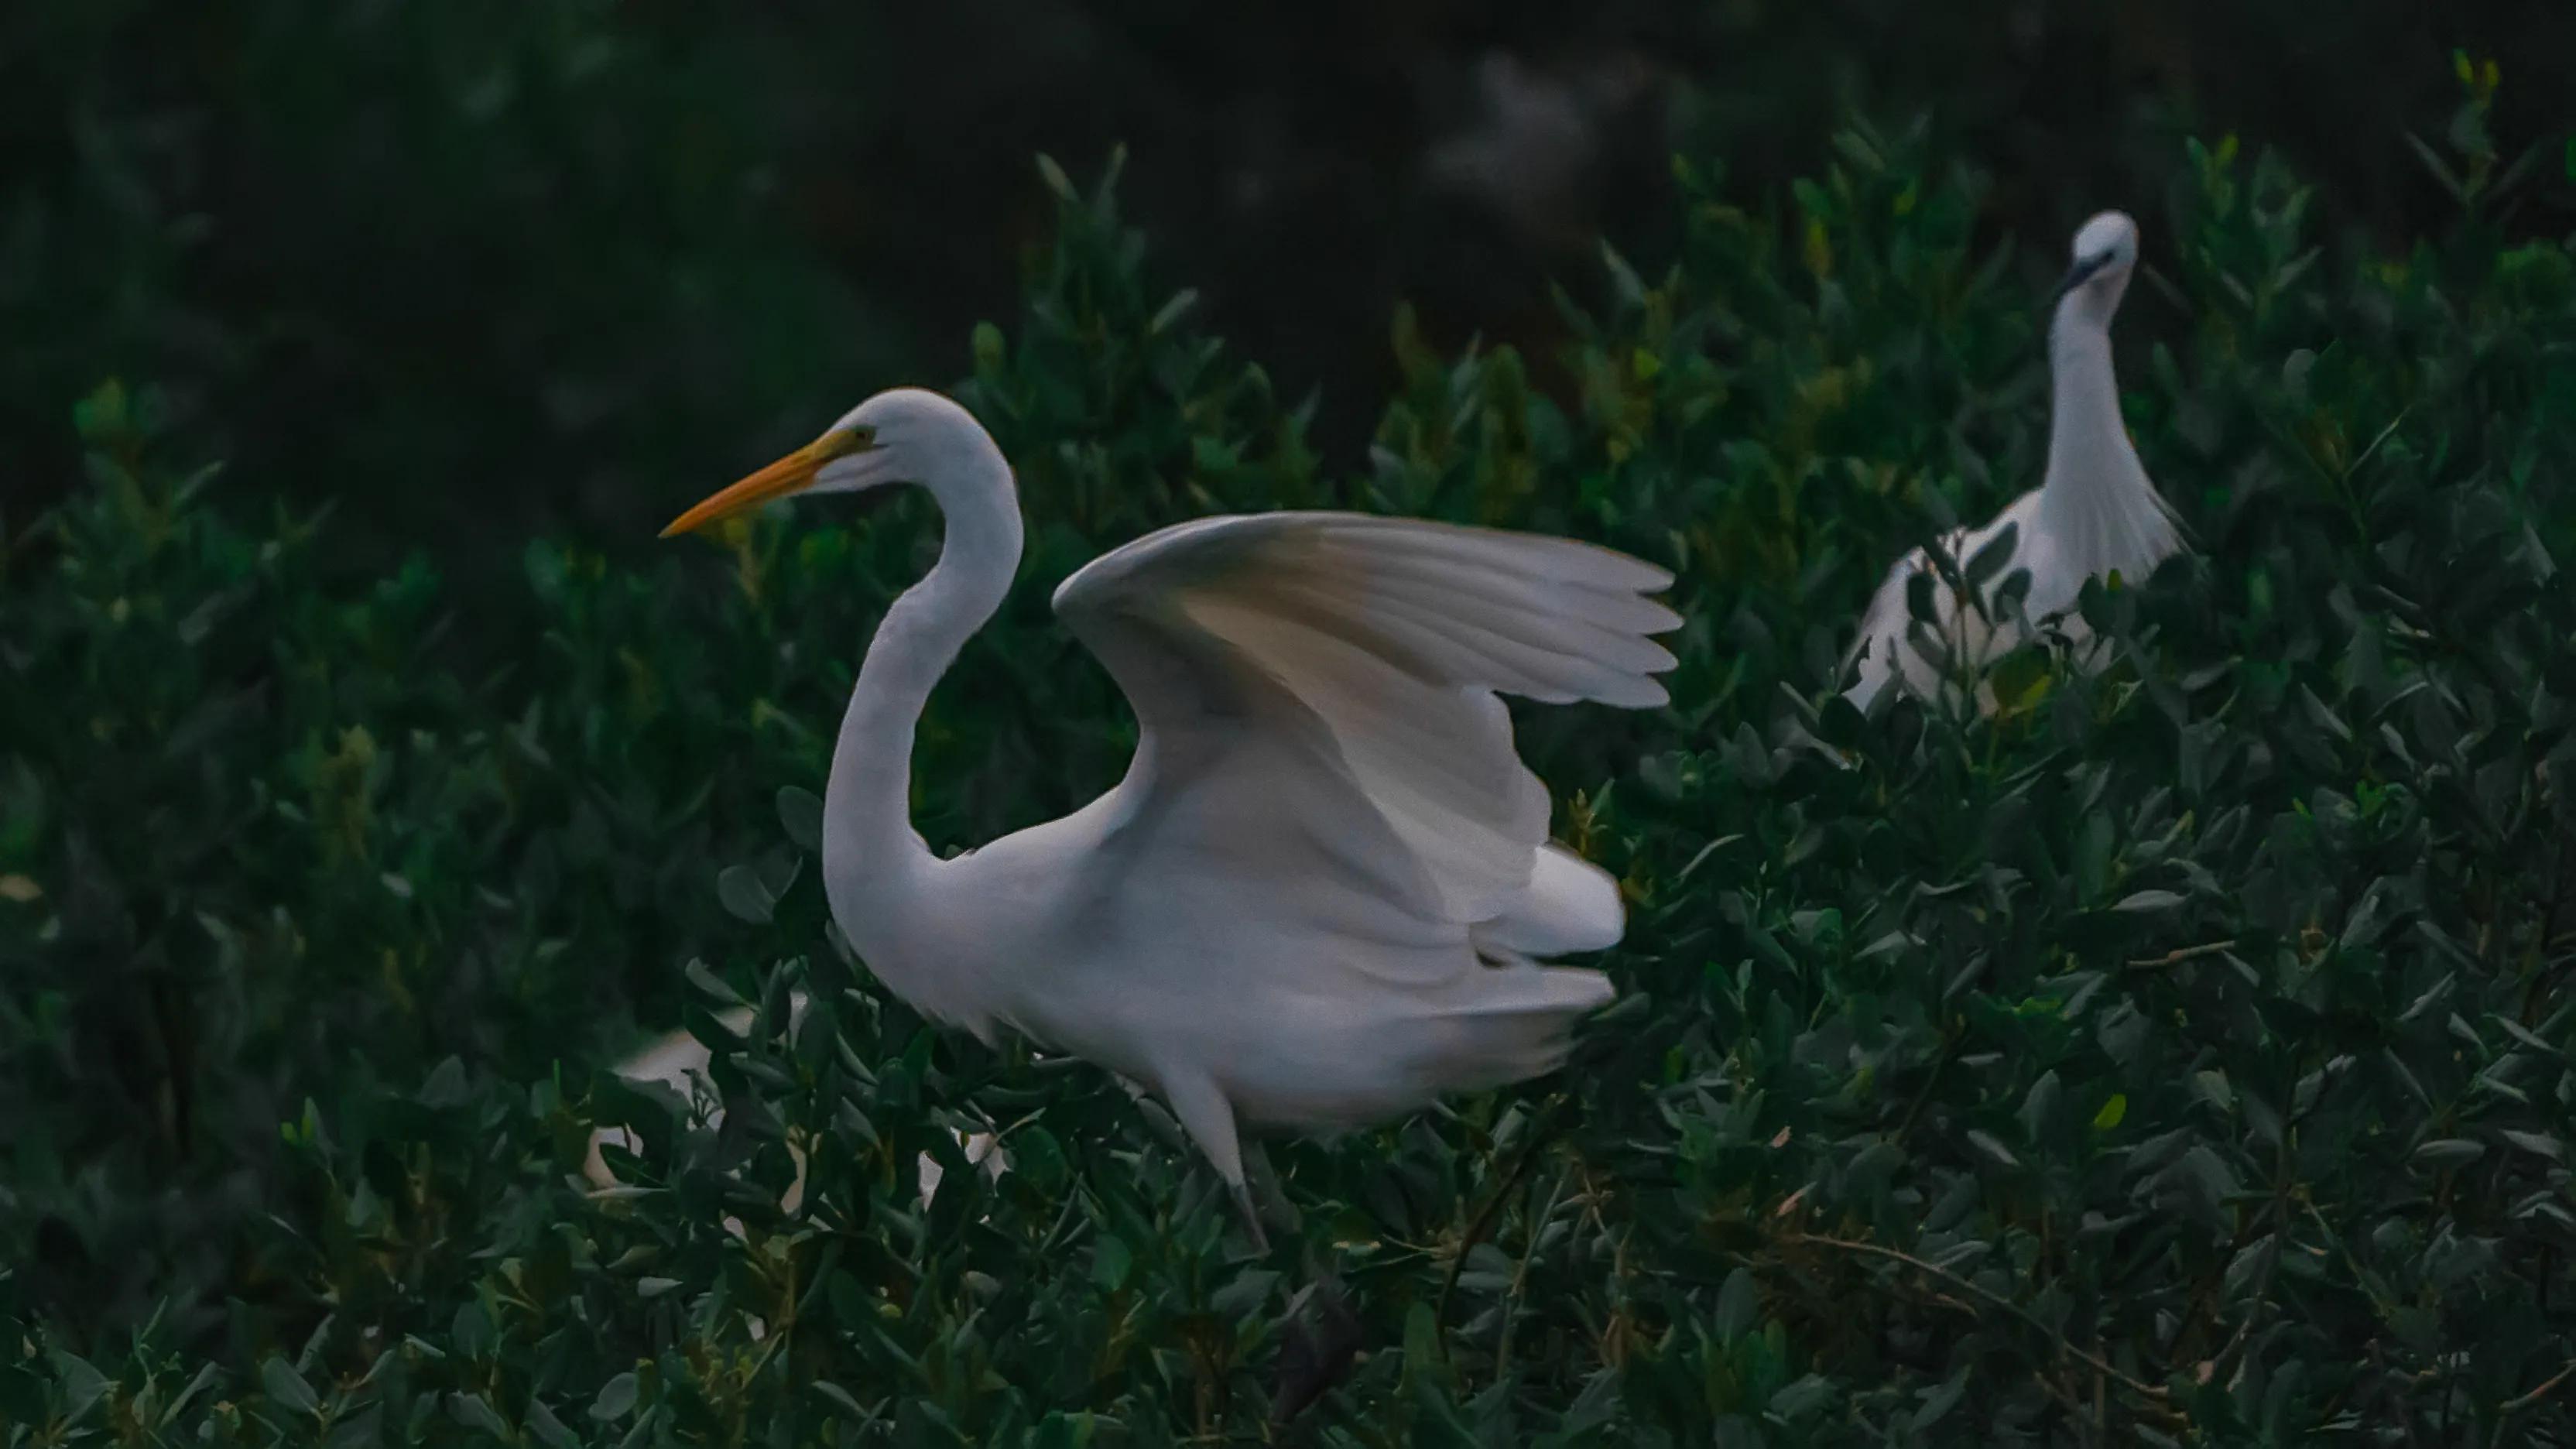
791,474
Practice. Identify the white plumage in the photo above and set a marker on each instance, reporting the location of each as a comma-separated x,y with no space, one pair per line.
2095,512
1316,899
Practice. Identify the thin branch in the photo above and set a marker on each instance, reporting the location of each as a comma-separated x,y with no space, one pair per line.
1923,1094
1540,1131
2102,1366
2186,953
2550,1386
1520,1274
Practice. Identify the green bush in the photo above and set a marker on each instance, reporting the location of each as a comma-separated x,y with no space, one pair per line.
2181,1056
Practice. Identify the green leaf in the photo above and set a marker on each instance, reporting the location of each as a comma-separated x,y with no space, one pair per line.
1991,556
83,1385
1247,1292
101,416
714,986
471,1334
2152,900
1807,1395
1938,1402
2538,1144
1060,1430
2113,1112
800,814
2249,1262
286,1387
473,1411
740,890
207,1374
2450,1152
550,1429
1173,310
2039,1104
1737,1304
616,1399
1110,1262
446,1086
2021,679
1424,1363
1056,180
840,1399
365,1429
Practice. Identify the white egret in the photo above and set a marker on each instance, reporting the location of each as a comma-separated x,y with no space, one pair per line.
1317,898
2094,513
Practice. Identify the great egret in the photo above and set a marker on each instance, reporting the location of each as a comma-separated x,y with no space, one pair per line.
2094,513
1316,899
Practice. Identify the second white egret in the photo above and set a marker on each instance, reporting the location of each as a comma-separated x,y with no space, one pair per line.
2095,512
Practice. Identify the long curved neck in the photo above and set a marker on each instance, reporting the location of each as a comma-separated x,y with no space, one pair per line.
2096,497
868,837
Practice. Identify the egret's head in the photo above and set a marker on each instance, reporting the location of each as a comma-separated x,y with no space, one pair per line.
898,436
2106,251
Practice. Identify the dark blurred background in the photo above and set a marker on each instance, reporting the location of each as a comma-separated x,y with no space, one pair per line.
479,268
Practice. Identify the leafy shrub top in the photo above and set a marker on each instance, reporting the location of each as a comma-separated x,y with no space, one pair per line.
2182,1054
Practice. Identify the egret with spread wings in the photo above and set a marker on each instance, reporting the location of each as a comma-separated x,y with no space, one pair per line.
1320,896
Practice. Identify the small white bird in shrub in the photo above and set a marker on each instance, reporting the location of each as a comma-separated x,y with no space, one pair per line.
1318,897
679,1061
2094,514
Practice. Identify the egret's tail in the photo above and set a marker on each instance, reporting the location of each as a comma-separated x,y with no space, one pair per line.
1515,1019
1507,1024
1570,905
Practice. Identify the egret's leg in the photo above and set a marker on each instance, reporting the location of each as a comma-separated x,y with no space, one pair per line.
1208,1117
1251,1218
1262,1181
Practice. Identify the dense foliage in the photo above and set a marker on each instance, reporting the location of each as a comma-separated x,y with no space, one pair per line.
2181,1056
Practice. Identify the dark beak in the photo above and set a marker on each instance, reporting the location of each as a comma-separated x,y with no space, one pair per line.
2077,275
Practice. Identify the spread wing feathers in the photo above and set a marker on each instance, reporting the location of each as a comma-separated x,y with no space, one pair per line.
1333,678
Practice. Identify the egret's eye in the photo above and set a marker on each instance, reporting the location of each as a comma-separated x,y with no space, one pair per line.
2083,271
842,442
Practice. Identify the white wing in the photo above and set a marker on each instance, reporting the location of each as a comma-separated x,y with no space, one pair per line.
1316,695
1886,648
